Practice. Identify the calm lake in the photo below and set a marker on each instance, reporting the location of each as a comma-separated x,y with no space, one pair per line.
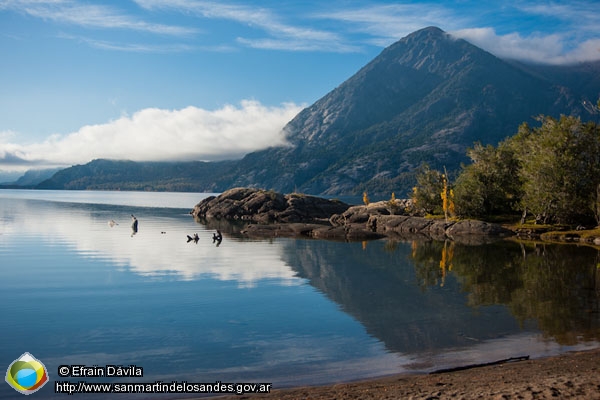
78,291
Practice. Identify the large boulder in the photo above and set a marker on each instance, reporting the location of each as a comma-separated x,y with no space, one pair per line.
361,214
240,203
478,228
266,206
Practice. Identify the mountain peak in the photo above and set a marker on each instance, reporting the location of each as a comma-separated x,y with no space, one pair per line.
431,33
430,30
425,98
433,50
390,84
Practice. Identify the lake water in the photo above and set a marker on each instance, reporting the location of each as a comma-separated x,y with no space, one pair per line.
77,291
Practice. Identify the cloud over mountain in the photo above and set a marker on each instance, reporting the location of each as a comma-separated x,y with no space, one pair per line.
546,49
156,134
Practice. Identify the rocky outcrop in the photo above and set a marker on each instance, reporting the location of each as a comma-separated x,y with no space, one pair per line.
273,214
378,219
262,206
361,214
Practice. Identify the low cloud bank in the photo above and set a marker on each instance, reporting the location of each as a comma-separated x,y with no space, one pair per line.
159,135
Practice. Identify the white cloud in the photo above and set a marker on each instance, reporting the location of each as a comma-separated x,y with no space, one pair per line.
137,47
548,49
161,135
282,36
575,35
386,23
581,15
89,15
7,135
288,44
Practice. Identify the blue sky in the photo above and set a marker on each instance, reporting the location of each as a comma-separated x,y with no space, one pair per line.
190,79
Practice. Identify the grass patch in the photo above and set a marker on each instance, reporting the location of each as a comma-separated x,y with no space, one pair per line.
583,234
434,216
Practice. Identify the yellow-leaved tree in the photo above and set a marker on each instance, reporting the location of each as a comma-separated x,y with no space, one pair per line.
447,196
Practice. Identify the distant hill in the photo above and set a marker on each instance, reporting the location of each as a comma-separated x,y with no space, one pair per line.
31,178
34,177
426,98
101,174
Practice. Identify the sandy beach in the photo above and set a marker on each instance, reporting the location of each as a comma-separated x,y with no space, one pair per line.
573,375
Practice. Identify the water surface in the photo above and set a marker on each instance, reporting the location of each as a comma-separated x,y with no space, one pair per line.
76,290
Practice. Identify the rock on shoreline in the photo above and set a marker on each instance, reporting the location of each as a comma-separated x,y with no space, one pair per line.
262,206
390,219
272,214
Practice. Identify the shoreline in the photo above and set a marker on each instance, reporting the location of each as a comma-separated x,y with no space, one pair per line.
269,214
568,375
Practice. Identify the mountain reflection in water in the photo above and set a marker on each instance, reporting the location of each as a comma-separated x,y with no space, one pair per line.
453,295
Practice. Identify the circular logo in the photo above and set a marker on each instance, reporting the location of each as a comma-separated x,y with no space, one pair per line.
26,374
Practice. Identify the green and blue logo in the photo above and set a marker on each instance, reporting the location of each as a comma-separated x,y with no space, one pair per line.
26,374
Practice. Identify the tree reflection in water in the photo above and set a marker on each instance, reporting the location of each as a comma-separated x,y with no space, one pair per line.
557,286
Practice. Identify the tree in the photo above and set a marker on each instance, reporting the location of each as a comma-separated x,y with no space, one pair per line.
426,194
491,184
559,164
447,196
366,199
551,171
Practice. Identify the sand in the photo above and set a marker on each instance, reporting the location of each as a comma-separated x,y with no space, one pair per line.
571,375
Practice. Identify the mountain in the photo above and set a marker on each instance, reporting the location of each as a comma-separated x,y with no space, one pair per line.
30,178
426,98
36,176
101,174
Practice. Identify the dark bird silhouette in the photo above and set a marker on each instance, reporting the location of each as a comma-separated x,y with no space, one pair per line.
195,238
134,225
217,237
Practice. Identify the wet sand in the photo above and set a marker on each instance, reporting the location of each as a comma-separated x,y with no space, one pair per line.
571,375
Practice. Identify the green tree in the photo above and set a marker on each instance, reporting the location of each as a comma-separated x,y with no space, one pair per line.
559,164
491,184
426,194
550,171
